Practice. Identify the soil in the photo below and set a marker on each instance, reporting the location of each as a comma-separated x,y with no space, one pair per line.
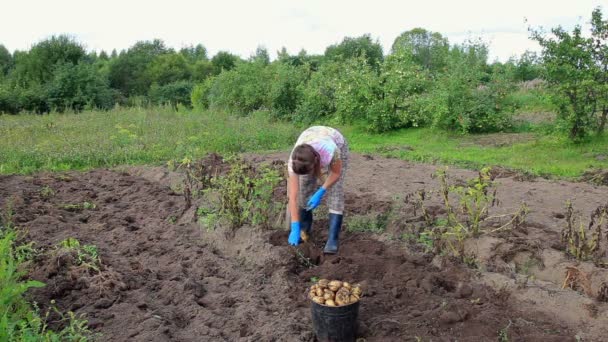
163,278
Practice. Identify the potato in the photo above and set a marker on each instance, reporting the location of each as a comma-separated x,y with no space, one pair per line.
314,287
330,303
335,285
342,297
312,294
346,285
323,283
319,292
357,291
329,295
319,300
353,299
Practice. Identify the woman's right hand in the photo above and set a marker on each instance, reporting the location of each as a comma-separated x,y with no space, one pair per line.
294,236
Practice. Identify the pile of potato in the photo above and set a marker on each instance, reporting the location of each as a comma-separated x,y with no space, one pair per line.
335,293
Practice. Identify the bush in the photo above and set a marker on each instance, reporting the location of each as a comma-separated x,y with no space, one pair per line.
78,87
199,97
286,89
319,94
404,102
173,93
241,90
356,89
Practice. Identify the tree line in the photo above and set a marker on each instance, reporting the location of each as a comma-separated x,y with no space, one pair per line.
422,81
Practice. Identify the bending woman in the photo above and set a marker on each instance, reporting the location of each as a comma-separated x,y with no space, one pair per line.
320,155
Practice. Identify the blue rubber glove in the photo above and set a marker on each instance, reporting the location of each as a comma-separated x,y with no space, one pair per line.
294,236
315,199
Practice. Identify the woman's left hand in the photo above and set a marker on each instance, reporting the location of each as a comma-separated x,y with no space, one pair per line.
315,199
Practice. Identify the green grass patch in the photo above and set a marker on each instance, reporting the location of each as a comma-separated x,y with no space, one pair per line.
544,155
135,136
130,136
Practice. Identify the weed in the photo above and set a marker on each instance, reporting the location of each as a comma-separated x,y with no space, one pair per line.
79,206
86,255
172,219
503,334
368,223
47,192
20,321
207,218
583,242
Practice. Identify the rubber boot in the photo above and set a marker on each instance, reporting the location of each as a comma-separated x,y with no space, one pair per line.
335,224
305,224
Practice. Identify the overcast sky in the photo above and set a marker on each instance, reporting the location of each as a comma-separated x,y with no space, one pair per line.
239,26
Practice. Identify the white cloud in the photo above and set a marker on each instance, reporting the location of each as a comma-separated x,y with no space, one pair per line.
240,26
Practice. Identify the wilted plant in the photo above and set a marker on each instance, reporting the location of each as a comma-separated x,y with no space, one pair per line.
583,242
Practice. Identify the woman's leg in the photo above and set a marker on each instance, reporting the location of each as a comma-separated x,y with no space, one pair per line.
335,203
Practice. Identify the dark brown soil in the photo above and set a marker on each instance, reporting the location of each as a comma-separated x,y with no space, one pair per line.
163,278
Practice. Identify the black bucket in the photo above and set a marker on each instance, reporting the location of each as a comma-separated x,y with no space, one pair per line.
335,323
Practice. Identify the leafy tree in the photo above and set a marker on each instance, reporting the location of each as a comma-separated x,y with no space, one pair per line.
428,49
199,97
575,67
356,88
242,89
319,94
286,88
128,71
261,56
357,47
599,51
201,70
168,68
194,53
224,61
173,93
403,101
37,65
472,100
527,67
6,61
77,87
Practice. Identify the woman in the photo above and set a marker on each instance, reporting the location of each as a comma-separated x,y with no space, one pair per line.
320,153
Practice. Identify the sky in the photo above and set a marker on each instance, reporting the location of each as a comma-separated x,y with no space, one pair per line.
240,26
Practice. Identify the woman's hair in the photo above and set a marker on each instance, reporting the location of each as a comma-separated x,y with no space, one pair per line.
305,160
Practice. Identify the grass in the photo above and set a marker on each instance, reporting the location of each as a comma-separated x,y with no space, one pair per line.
132,136
544,155
59,142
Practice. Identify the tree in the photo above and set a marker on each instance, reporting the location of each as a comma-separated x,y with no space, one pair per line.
357,47
428,49
168,68
527,67
6,61
194,53
37,65
599,51
224,61
261,56
78,87
128,71
575,68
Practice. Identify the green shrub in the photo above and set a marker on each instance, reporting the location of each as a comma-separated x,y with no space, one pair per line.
241,90
173,93
286,89
199,98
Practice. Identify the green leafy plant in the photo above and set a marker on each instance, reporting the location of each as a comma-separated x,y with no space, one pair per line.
79,206
86,255
47,192
246,194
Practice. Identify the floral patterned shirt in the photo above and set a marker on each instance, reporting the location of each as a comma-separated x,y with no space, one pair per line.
326,141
